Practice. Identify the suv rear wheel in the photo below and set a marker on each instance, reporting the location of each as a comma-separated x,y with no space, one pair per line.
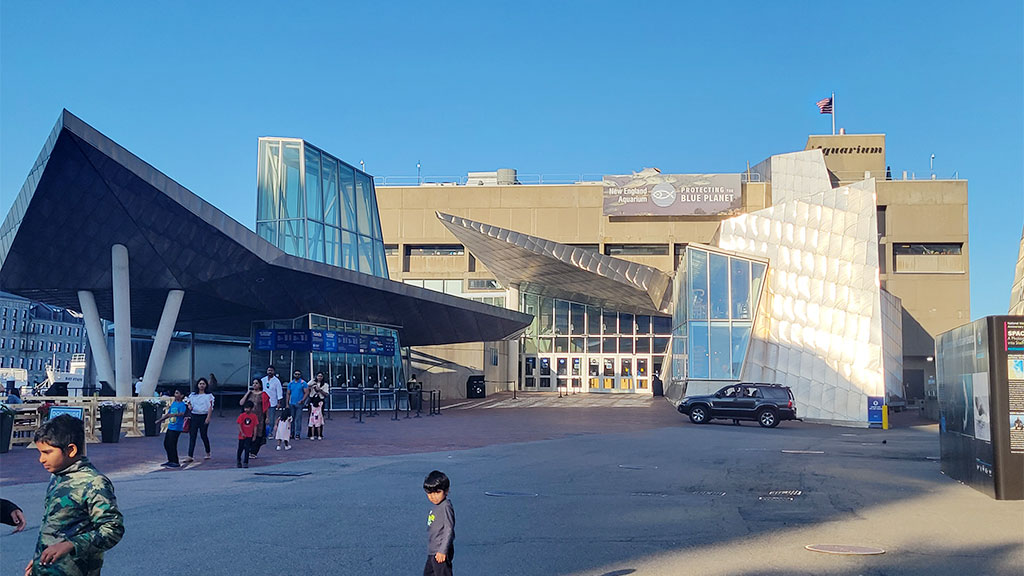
699,414
768,418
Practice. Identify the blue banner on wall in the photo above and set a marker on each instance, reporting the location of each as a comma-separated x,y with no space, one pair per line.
324,341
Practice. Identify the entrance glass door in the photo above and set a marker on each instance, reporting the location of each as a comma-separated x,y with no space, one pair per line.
608,374
545,373
594,373
642,375
530,372
562,372
576,373
626,374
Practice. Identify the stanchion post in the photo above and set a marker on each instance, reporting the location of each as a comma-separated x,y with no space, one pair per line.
419,403
362,404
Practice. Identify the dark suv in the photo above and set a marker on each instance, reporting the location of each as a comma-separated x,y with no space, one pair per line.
765,403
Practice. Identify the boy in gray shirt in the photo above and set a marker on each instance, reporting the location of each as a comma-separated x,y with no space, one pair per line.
440,526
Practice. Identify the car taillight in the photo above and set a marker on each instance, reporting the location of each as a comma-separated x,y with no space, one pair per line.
790,404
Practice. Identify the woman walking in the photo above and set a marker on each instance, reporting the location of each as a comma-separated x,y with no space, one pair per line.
201,404
261,403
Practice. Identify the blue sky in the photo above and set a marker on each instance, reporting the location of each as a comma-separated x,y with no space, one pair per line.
543,87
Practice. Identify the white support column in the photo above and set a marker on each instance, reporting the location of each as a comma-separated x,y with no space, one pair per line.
512,369
161,341
122,321
97,339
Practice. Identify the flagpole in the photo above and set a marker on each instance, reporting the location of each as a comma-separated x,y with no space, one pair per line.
833,113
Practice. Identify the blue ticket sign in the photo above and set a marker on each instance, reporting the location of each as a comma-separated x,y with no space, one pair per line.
324,341
293,340
330,341
264,340
875,406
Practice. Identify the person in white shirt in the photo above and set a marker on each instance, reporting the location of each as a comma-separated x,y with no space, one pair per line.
200,404
272,386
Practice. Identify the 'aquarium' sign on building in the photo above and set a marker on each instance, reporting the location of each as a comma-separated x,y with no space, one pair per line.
651,193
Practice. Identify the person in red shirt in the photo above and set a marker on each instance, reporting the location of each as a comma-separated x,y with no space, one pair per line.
247,422
261,402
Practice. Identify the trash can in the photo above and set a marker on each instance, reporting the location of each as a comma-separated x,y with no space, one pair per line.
415,400
150,412
657,386
6,430
475,387
110,423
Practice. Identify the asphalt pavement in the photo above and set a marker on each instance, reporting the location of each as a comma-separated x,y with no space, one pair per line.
587,495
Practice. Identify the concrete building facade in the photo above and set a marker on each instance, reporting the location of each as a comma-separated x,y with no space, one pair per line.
921,226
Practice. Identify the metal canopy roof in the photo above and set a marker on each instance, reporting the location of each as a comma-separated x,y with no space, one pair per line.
86,193
551,269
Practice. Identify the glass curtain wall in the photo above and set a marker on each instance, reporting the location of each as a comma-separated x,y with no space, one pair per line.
313,205
352,356
572,340
717,295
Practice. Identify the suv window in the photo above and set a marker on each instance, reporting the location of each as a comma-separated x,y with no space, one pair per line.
775,393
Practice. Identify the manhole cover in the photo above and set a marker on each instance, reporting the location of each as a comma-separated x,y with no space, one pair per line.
283,473
802,452
785,492
845,549
657,494
708,493
505,494
775,498
637,467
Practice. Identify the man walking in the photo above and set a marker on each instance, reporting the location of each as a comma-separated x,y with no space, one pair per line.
298,392
272,386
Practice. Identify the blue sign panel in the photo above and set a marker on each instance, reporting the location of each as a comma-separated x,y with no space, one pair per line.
330,341
293,340
264,340
75,411
875,407
324,341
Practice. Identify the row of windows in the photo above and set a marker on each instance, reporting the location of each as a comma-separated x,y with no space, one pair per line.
14,312
55,329
33,363
657,345
560,317
40,345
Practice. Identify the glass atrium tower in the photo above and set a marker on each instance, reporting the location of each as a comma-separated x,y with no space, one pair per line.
313,205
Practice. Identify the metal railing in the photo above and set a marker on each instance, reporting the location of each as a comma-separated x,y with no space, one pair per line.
893,175
521,179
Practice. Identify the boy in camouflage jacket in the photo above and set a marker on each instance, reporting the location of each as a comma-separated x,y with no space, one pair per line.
80,517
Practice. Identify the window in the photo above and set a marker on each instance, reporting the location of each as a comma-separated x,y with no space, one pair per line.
391,249
928,258
436,250
636,249
479,284
880,217
593,247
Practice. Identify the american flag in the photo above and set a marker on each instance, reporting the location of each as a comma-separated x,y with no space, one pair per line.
825,105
